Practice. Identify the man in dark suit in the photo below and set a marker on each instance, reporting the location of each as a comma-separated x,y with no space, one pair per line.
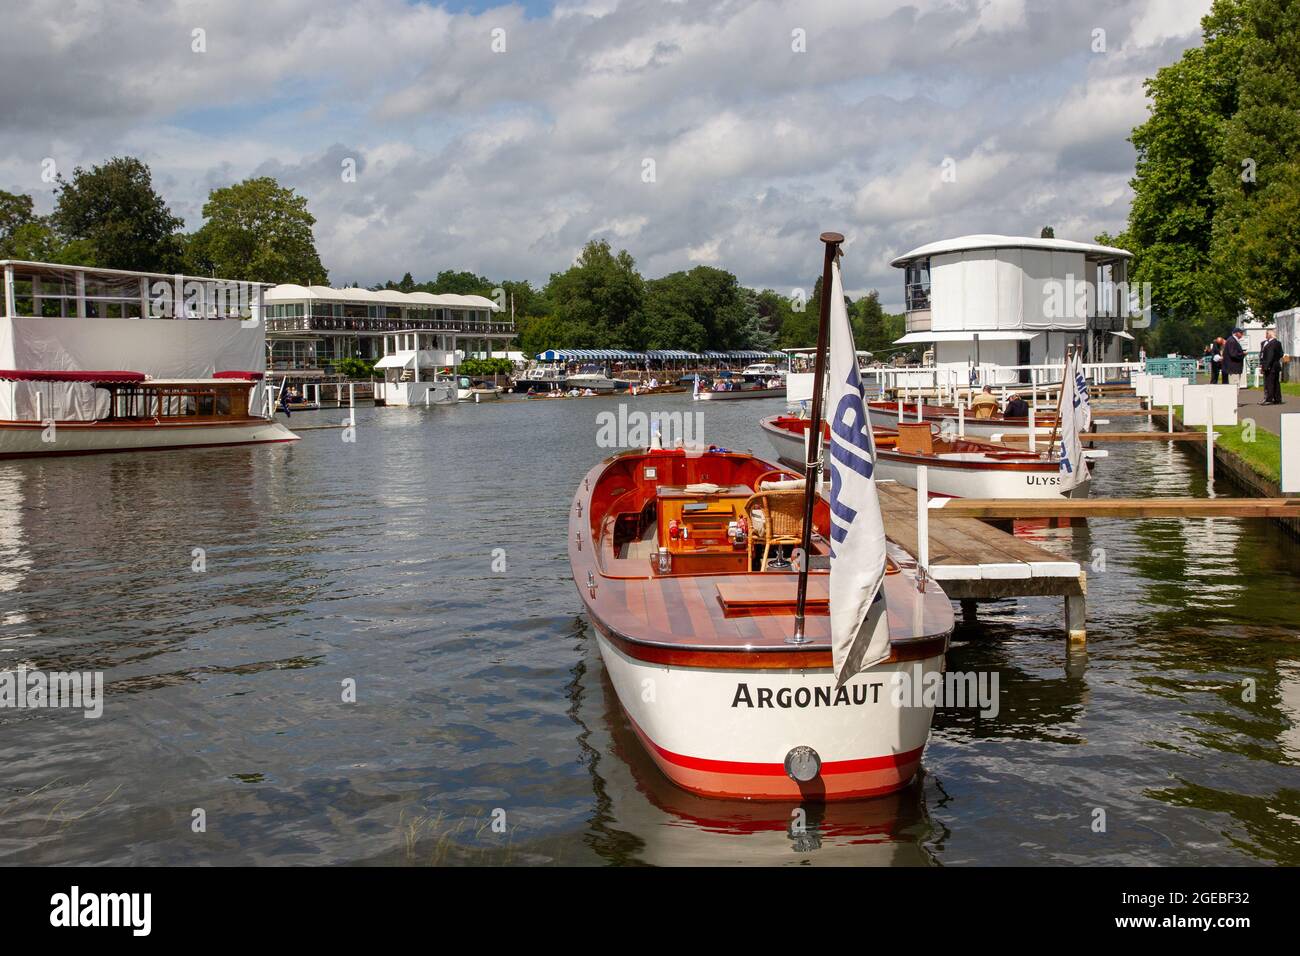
1270,363
1017,407
1215,352
1234,358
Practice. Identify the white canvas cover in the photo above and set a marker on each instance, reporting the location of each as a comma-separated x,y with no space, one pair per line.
160,348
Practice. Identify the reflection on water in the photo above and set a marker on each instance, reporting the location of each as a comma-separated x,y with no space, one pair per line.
484,729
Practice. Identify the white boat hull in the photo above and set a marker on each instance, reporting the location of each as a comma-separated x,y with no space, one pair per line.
478,395
32,440
948,480
726,733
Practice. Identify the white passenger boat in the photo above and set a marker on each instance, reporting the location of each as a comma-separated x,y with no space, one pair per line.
133,413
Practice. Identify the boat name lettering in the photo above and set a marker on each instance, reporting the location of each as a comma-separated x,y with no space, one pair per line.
823,696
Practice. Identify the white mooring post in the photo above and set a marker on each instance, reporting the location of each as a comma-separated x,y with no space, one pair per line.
961,420
1209,441
1033,431
1170,412
900,411
352,405
923,518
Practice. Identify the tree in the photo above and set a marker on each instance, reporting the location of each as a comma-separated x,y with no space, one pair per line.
259,231
115,212
600,298
459,283
1254,180
1171,220
702,309
539,333
1047,233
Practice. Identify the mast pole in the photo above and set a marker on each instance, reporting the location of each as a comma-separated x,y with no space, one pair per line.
1059,400
812,457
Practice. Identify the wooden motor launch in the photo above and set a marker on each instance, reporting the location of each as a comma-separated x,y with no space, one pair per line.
137,414
884,414
958,467
721,652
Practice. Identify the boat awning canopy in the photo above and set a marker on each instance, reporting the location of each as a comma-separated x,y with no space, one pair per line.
586,355
396,360
53,375
989,336
1121,334
242,376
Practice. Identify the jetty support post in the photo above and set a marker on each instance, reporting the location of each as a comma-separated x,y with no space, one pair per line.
1209,441
1076,614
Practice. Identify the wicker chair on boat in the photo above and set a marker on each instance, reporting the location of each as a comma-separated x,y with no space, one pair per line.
781,521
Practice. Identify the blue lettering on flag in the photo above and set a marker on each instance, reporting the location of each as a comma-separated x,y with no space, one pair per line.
851,447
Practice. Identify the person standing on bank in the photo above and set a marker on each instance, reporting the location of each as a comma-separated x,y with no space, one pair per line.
1234,358
1216,361
1270,362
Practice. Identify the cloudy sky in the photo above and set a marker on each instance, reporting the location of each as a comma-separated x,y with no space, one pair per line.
766,122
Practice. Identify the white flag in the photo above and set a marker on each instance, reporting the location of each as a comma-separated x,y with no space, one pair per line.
859,628
1073,412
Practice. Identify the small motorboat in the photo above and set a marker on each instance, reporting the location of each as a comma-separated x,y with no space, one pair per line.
743,386
130,412
884,414
693,623
591,377
755,632
473,390
956,467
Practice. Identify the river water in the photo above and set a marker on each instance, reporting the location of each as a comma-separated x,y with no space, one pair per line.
425,565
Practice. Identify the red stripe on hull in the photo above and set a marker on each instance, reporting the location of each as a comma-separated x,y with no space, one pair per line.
838,780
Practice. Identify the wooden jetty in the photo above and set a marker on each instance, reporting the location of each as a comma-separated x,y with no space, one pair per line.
1004,509
974,561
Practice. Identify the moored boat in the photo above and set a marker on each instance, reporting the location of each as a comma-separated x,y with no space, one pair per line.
693,627
128,412
957,467
884,414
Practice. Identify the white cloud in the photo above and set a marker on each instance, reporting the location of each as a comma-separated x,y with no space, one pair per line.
506,163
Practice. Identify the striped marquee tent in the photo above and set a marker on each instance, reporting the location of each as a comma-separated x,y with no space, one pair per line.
588,355
669,355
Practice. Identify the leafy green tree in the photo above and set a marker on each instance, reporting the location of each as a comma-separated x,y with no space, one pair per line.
1254,181
257,230
354,368
539,333
114,211
601,298
1171,220
705,308
459,283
